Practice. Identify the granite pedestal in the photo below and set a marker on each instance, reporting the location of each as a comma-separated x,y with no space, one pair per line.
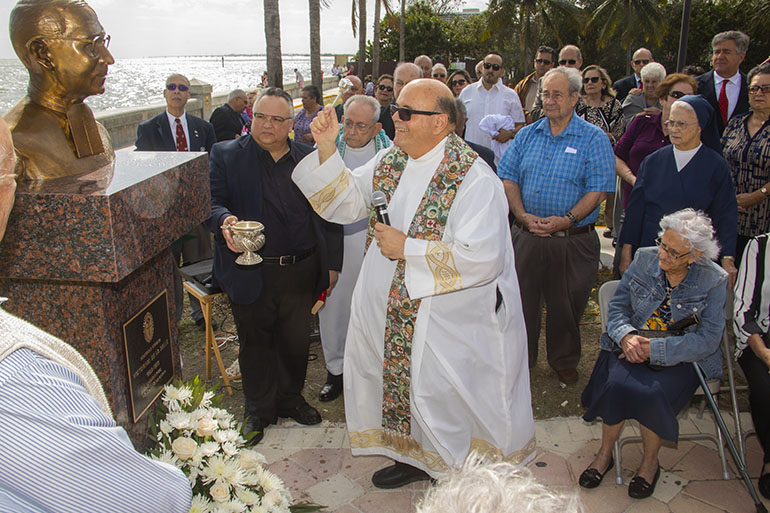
81,258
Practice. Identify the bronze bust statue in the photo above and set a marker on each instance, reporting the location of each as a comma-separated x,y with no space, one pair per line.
64,48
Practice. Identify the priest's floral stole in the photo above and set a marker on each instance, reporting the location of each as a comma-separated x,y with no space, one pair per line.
428,223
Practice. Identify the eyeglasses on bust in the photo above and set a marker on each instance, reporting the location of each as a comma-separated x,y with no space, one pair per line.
97,42
543,61
641,61
405,113
571,62
361,127
383,87
173,87
264,118
459,81
488,65
677,124
676,94
764,89
591,79
673,254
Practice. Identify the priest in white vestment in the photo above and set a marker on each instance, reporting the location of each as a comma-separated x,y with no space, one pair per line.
360,138
436,355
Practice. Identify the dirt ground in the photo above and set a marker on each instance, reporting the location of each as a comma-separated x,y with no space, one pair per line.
549,397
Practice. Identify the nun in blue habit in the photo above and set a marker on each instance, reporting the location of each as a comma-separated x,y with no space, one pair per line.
689,173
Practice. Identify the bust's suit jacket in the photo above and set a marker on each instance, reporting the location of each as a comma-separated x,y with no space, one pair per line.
236,189
706,88
227,123
155,134
623,86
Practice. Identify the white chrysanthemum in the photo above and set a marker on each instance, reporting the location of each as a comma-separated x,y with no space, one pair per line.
206,399
165,427
229,448
167,456
222,470
225,423
249,459
257,508
250,478
200,504
271,499
247,496
209,449
235,506
184,395
269,481
178,420
228,435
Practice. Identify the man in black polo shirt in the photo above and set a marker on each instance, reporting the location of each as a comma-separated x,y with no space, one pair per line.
271,301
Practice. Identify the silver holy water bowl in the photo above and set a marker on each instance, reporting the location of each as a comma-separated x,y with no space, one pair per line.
248,237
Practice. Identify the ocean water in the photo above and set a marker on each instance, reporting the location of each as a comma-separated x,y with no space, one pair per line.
137,82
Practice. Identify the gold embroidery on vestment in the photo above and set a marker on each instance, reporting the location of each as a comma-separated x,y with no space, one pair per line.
321,200
441,263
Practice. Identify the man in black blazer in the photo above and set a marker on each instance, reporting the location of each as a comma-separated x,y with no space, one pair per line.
190,133
641,58
726,80
271,301
227,120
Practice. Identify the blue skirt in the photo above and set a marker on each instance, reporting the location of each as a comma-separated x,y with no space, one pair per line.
619,390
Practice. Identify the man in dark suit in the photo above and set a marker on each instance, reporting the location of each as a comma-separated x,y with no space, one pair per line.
725,86
271,301
189,133
641,58
227,119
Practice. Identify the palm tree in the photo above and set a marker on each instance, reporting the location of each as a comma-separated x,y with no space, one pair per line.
358,22
315,40
273,43
402,32
378,4
361,39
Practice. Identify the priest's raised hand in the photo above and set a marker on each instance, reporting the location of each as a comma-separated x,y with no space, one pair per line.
325,129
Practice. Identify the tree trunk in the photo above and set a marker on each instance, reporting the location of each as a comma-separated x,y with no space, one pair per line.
361,71
402,33
315,43
376,40
273,43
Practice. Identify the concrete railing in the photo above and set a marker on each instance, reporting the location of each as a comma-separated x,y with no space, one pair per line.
122,123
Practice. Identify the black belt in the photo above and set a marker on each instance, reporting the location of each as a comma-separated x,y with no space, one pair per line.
561,233
288,259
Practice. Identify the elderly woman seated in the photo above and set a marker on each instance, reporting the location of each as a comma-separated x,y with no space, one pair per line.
646,376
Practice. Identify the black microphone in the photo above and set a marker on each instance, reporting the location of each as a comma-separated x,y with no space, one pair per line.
380,204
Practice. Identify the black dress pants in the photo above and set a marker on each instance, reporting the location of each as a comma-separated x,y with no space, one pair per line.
759,397
274,334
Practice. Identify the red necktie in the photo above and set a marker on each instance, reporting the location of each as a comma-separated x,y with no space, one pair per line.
181,139
723,102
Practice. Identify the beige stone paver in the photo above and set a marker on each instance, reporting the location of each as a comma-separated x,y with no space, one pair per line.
336,492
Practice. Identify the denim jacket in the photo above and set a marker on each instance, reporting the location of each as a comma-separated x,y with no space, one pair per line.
702,292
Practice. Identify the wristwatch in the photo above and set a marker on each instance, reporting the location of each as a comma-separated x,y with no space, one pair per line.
763,190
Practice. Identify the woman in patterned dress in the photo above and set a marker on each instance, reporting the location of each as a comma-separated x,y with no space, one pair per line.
311,103
597,103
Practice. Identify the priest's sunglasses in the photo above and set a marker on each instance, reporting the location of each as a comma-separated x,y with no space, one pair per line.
405,113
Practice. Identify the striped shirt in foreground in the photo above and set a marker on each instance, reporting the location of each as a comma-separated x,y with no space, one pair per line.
752,294
60,453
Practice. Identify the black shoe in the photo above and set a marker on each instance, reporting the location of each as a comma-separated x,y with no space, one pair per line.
331,389
591,478
254,424
201,323
639,488
302,413
764,484
398,475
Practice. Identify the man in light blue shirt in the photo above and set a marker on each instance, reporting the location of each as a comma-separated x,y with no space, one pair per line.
556,174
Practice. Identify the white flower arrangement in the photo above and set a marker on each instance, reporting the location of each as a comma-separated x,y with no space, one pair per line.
205,442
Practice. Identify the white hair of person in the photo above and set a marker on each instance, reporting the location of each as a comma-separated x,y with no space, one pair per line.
696,231
573,76
653,70
236,93
495,487
741,40
370,101
439,67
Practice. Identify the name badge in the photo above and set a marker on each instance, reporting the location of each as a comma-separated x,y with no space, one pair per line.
570,150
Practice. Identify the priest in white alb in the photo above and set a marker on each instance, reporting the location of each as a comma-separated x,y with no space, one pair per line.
436,355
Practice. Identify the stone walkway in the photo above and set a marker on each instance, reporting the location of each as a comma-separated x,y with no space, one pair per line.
316,464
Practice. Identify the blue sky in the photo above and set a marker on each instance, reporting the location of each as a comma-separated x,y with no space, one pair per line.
143,28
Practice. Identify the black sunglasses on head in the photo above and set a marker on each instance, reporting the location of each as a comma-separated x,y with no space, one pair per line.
488,65
543,61
571,62
405,113
641,61
173,87
591,79
460,81
383,87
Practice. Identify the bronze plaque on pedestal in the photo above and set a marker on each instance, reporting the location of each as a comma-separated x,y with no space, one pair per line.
147,336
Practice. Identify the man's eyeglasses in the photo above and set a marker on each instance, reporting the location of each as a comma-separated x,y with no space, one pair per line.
673,254
439,75
557,97
458,82
173,87
641,61
591,79
571,62
489,65
98,42
764,89
543,61
677,124
677,94
383,87
264,118
405,113
361,127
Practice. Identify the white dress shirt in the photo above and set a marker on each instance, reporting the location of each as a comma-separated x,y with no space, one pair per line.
172,125
481,102
733,90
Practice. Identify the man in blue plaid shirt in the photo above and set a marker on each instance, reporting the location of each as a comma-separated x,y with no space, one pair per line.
556,174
